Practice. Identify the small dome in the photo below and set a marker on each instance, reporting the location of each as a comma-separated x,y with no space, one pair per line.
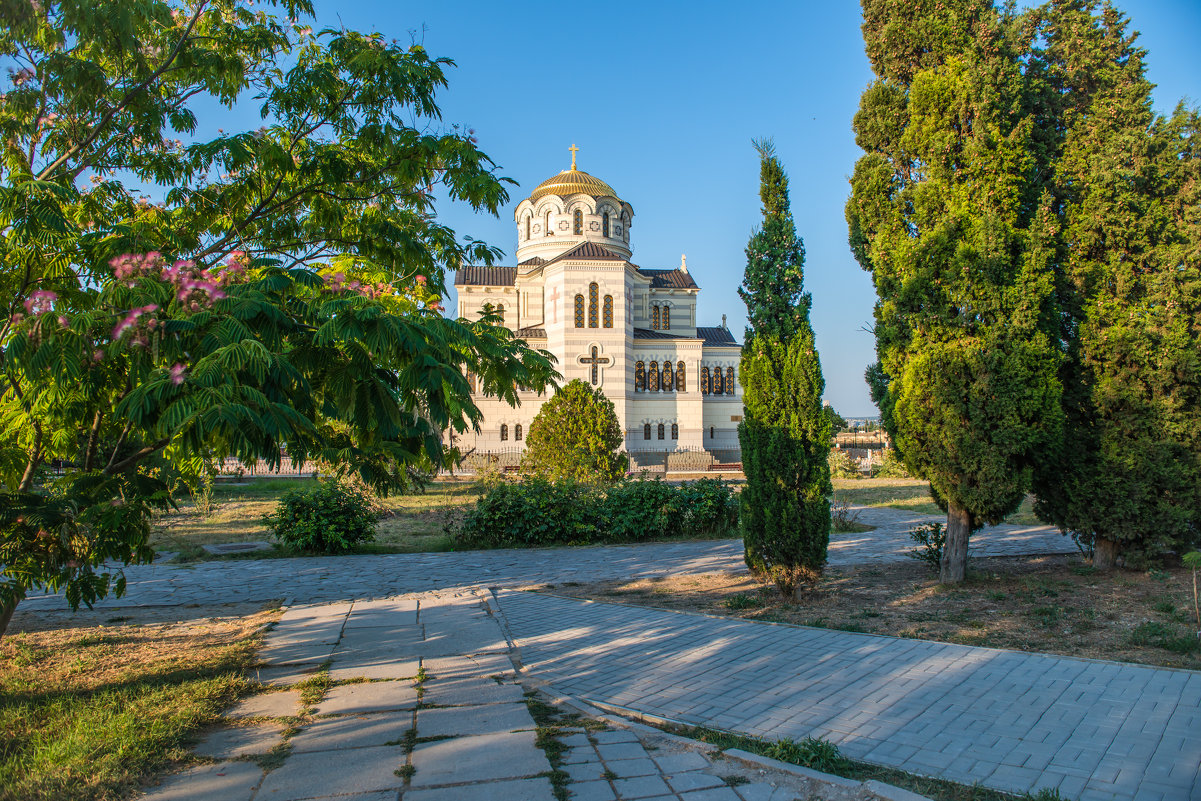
570,182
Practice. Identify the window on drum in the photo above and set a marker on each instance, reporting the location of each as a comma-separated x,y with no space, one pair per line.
577,224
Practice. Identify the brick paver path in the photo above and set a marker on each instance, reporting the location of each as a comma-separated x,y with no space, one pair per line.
1097,731
334,578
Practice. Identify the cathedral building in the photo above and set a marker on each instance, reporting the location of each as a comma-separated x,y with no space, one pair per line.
628,330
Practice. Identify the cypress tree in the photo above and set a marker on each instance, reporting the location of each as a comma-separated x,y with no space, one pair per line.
1127,475
950,213
785,435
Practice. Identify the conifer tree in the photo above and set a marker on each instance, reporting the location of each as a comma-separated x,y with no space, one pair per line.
785,434
950,214
1127,475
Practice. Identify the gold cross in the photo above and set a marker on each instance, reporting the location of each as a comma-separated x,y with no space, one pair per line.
573,150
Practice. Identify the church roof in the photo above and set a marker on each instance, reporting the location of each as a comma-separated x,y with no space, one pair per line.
478,275
716,335
571,182
669,279
532,261
589,251
646,333
531,333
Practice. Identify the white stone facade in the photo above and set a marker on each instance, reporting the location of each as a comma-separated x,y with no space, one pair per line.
575,293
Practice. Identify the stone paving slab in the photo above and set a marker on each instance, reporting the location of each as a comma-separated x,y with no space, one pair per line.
1014,721
266,705
481,758
231,742
472,691
459,721
314,580
353,731
373,696
512,790
230,781
327,773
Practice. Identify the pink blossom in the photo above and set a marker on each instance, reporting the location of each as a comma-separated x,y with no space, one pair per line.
63,321
420,279
131,319
16,318
97,355
40,302
178,373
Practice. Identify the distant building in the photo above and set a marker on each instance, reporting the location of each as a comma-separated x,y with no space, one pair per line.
630,331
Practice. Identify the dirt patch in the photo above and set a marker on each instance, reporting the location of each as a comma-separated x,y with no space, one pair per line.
1053,604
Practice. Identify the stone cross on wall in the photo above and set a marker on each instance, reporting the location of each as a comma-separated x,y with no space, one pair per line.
629,307
554,306
595,360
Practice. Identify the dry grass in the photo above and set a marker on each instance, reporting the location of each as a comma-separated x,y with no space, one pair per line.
1053,605
89,708
413,523
912,495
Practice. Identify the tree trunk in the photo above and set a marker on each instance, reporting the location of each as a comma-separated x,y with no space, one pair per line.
1105,553
953,568
6,613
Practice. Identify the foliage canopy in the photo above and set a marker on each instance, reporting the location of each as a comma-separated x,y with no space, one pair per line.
576,437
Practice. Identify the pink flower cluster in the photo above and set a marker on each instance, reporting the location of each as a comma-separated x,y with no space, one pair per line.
141,337
337,283
40,302
195,288
178,374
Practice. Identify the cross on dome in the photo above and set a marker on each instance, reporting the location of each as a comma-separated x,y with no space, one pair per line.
573,150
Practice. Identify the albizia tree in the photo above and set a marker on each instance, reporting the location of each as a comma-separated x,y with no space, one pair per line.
281,297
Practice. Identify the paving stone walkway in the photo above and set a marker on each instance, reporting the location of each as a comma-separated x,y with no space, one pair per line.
1096,731
422,704
322,579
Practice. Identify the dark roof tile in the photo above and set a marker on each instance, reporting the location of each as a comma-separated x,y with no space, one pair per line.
669,279
646,333
589,251
531,333
716,336
477,275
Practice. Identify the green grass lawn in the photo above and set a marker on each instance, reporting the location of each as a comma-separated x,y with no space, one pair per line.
413,523
912,495
87,712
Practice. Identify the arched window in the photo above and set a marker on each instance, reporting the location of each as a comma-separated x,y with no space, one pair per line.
517,432
675,431
528,219
680,386
577,222
653,377
712,432
593,300
579,311
608,311
500,309
661,431
547,229
639,377
666,317
668,379
729,380
605,223
704,380
655,316
646,431
718,384
504,432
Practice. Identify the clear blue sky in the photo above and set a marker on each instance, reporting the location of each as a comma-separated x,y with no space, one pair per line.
663,99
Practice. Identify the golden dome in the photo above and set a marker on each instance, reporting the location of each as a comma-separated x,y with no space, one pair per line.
570,182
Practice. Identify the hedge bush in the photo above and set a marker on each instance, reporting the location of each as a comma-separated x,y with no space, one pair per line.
331,517
536,512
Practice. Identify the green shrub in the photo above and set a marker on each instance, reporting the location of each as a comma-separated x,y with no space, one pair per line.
331,517
536,512
891,466
576,437
930,539
842,465
529,514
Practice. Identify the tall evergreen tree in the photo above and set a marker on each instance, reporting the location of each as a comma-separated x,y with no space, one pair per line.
1127,475
785,435
949,213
